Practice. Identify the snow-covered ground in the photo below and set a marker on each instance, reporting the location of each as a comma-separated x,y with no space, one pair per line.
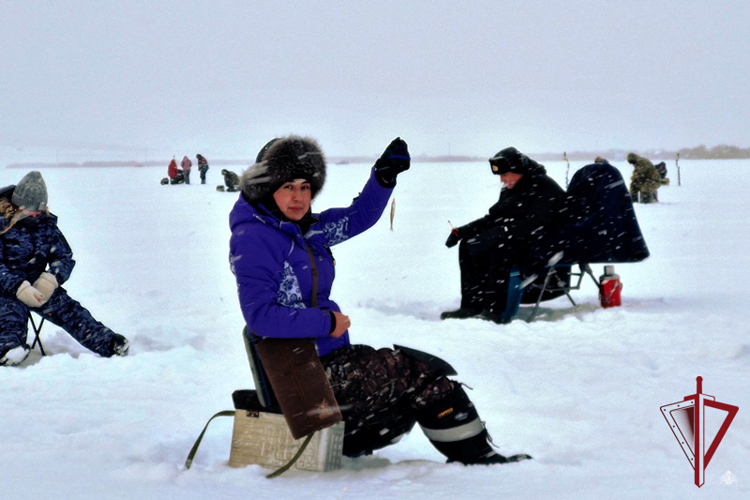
578,389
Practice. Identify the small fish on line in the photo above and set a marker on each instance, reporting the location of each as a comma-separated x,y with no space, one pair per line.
393,211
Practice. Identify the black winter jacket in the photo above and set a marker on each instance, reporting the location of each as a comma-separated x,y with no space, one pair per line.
521,215
597,222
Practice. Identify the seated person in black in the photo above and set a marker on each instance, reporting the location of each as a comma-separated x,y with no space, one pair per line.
491,246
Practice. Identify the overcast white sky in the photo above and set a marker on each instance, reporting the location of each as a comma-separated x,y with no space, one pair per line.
449,76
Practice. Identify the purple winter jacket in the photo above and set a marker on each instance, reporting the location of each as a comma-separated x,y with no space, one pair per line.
272,266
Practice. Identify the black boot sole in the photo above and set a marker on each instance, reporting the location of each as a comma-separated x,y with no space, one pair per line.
459,315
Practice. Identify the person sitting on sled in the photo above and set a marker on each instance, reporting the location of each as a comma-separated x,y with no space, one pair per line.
35,260
280,253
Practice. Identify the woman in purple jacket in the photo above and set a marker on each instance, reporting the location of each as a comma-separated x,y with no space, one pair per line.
280,254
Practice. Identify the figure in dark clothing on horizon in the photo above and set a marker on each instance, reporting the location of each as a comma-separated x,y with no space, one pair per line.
231,180
202,167
645,180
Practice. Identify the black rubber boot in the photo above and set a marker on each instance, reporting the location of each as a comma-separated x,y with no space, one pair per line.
119,345
453,427
460,313
499,318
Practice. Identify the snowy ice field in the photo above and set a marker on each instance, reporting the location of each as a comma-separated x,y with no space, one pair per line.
578,389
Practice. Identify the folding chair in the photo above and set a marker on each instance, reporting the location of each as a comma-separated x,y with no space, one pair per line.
583,268
37,331
516,291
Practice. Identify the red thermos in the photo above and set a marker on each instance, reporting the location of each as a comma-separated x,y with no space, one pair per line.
610,287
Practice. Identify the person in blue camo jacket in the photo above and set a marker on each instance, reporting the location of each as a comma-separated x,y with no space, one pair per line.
35,261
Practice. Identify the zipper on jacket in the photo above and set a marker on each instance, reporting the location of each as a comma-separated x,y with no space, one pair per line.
314,272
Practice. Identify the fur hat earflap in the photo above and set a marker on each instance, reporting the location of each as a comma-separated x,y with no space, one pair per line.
283,160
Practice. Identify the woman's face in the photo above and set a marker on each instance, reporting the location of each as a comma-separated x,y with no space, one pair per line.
294,198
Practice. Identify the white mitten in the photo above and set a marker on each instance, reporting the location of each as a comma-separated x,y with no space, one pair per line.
46,283
29,295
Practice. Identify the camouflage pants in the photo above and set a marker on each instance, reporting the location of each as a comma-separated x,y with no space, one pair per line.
641,194
60,310
380,393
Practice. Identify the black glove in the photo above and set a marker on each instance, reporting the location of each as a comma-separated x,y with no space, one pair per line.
394,160
453,239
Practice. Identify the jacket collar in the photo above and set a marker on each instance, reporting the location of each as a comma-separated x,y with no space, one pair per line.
274,217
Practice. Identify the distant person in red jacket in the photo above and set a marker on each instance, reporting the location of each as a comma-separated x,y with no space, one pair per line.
175,175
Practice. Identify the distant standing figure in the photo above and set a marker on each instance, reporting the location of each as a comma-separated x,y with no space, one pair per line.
645,180
186,166
174,174
35,261
202,167
231,180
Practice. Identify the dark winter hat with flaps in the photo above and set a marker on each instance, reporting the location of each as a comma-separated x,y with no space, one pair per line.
283,160
31,192
510,160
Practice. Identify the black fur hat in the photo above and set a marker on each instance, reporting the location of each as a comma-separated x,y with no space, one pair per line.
282,160
510,160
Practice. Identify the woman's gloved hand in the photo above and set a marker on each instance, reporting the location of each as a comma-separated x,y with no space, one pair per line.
394,160
46,283
29,295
